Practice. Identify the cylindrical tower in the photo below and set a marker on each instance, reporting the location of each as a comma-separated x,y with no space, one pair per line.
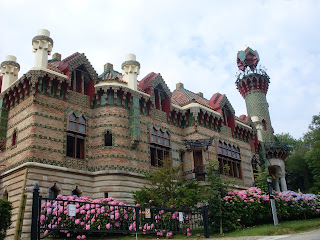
253,83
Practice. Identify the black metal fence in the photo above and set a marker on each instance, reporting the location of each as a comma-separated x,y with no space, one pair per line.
70,218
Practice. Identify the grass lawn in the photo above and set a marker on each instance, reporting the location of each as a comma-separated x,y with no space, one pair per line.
289,227
284,228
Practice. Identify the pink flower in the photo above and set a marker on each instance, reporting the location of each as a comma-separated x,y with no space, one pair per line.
189,234
77,221
238,219
169,235
87,226
108,226
68,234
78,237
83,237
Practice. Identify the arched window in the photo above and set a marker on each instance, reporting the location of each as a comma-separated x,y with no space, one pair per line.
76,192
229,158
264,125
108,139
14,138
76,132
159,146
6,195
53,192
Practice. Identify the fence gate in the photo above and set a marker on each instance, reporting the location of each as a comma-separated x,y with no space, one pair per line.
51,217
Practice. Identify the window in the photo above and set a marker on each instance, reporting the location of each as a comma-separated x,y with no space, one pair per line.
229,157
159,137
76,136
6,195
159,147
199,168
264,125
53,192
108,139
76,192
14,138
106,195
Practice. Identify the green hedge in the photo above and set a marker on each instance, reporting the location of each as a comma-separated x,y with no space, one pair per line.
5,217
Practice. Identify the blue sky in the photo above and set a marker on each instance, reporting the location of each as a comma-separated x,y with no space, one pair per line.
193,42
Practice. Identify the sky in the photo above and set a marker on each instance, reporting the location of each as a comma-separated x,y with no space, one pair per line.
193,42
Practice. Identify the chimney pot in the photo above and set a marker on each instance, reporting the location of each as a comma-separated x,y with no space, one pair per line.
11,58
44,32
130,57
200,94
9,70
179,85
56,56
108,66
42,45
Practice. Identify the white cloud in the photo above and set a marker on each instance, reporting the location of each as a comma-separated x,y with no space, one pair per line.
194,42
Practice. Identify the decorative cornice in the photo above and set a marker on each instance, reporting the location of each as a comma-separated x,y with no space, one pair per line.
42,37
130,62
11,63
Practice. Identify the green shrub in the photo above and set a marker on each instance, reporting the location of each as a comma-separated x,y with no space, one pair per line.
5,217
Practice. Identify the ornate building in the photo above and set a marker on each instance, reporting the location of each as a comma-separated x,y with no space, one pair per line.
73,131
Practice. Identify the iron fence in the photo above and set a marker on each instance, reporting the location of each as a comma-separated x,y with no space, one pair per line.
59,216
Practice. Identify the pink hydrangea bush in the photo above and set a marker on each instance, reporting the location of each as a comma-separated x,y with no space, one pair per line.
252,207
103,214
90,214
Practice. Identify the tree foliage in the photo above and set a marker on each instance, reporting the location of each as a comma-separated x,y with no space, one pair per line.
167,188
303,161
220,219
312,138
5,216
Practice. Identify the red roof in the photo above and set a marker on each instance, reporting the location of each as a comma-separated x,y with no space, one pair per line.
183,97
145,82
244,118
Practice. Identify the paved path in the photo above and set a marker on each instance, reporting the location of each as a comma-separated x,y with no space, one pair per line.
313,235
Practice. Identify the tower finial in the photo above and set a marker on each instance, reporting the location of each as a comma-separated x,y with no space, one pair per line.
247,58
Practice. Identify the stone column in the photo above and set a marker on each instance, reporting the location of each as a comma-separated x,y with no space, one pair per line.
283,183
277,186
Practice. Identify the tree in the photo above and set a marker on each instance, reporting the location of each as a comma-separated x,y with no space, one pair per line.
312,138
220,219
5,216
299,176
167,187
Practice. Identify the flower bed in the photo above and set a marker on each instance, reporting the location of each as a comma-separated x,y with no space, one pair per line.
252,207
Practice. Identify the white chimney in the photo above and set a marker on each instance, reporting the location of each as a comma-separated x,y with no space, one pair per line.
9,71
130,71
42,45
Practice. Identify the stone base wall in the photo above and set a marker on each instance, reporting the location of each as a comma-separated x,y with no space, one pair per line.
117,184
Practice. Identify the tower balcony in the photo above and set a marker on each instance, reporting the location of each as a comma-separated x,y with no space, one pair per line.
250,80
276,150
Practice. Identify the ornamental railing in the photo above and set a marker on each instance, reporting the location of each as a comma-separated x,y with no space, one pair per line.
60,217
247,72
276,146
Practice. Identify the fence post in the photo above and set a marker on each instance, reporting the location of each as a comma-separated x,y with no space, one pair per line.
137,219
35,213
205,221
